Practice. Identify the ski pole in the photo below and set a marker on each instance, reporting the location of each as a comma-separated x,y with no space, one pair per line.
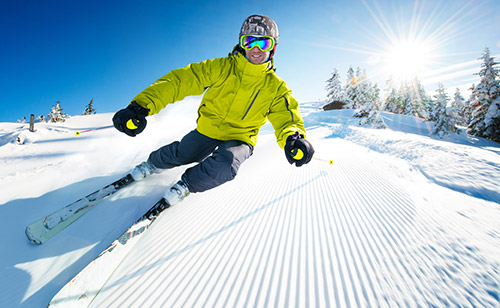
298,154
330,161
78,132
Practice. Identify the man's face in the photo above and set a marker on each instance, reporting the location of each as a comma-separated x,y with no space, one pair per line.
257,56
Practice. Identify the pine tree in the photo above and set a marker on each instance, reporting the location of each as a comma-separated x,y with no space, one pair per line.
459,104
405,101
492,121
56,114
370,99
443,115
391,101
358,89
421,101
364,89
350,89
485,102
334,88
467,111
412,99
89,109
369,112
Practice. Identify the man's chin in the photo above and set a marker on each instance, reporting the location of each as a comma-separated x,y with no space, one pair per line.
256,61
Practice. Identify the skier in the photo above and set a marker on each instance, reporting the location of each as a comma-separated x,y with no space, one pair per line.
242,92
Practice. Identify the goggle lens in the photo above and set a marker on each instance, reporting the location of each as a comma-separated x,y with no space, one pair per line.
265,43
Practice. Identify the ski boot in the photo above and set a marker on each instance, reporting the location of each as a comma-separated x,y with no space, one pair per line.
142,170
176,193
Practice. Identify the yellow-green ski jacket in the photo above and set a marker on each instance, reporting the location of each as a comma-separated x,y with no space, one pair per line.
239,98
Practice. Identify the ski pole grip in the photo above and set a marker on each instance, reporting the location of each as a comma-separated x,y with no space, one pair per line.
297,154
132,124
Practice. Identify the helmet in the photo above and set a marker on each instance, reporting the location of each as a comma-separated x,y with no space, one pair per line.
260,25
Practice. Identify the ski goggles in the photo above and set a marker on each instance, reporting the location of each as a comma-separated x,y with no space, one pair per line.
265,43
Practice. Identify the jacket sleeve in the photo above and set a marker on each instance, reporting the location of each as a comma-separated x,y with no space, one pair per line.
285,116
179,83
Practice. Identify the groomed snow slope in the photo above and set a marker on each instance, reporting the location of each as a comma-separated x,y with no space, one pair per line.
399,219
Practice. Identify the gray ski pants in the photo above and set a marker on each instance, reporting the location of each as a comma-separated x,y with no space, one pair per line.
218,161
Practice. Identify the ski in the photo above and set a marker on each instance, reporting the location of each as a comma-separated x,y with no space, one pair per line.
83,289
47,227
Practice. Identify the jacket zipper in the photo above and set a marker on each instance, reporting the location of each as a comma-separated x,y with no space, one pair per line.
287,107
199,111
250,105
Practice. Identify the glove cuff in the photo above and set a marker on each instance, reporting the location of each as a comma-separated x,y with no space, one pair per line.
290,140
138,109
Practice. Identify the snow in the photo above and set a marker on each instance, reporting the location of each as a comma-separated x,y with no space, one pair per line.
401,218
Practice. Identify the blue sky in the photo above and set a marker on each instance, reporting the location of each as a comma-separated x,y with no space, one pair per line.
72,51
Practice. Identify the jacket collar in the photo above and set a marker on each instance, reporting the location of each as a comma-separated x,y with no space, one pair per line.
249,68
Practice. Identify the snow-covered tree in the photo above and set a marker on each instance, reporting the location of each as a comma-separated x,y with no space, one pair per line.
485,102
56,114
443,114
89,109
410,99
369,112
413,99
492,121
335,92
391,101
422,101
358,90
467,111
404,100
350,88
460,105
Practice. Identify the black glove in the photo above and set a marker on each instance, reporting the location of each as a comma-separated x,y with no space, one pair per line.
131,120
295,144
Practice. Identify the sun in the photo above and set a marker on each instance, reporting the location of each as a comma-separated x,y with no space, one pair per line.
404,60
